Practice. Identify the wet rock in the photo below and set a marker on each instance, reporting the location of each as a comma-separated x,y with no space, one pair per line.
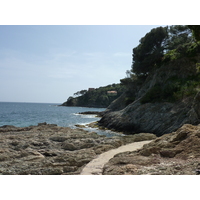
42,124
80,126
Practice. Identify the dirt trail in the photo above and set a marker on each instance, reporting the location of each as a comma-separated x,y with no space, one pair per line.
95,166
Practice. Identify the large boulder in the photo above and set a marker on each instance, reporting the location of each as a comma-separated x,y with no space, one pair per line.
157,118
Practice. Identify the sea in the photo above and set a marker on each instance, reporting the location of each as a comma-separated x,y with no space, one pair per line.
30,114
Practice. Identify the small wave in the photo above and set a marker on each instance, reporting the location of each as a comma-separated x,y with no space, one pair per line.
89,116
75,114
85,116
86,123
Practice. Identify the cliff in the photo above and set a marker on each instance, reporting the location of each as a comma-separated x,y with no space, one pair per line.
168,98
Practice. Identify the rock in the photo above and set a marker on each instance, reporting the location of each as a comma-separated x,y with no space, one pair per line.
80,126
102,148
45,149
68,169
157,113
48,153
58,138
69,146
52,171
170,153
42,124
173,153
49,149
138,137
157,118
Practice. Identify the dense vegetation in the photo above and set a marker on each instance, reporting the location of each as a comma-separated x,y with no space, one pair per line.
163,48
98,97
177,46
147,56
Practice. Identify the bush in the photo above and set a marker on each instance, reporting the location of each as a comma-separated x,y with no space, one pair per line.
153,95
173,90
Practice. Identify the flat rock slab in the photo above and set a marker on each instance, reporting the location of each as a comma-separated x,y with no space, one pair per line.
95,167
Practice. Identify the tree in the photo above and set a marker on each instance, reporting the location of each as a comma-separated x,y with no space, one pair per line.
82,92
70,98
148,54
195,31
177,36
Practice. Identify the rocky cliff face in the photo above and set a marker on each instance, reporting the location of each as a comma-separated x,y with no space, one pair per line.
161,115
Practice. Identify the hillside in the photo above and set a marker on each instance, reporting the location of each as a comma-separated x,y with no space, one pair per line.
162,97
99,98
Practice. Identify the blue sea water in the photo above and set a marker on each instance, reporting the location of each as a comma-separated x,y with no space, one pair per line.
27,114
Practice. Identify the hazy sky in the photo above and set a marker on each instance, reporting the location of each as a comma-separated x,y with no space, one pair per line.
51,63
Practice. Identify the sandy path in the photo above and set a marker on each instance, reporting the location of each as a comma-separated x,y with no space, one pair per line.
95,167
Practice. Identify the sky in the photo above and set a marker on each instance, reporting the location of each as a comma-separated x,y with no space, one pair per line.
49,63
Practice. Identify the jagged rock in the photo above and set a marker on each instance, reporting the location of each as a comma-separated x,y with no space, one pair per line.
80,126
158,118
173,153
49,149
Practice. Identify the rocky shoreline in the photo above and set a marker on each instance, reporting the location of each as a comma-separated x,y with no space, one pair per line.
176,153
47,149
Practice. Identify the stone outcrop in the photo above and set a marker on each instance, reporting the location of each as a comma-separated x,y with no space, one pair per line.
48,149
52,150
172,154
158,117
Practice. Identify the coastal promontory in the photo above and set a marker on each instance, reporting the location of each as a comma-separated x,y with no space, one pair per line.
162,88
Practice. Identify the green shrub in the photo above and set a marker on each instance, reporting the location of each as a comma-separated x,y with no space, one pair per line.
153,95
173,90
171,55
